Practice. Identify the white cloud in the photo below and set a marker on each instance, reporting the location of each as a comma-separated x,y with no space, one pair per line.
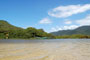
69,27
81,22
84,21
45,21
63,28
55,29
66,11
68,22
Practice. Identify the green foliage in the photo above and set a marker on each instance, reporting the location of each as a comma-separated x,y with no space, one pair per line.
73,36
9,31
2,35
12,32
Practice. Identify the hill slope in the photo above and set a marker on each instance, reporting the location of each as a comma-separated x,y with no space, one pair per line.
85,30
9,31
5,26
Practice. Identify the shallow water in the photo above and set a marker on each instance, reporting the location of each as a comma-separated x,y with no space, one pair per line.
56,49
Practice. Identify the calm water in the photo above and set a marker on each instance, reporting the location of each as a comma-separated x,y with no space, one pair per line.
55,49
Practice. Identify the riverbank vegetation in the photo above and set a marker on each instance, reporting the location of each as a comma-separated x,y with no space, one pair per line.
8,31
77,36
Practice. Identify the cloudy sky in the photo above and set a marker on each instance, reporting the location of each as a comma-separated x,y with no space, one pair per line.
50,15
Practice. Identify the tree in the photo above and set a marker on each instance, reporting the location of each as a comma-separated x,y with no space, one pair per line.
31,32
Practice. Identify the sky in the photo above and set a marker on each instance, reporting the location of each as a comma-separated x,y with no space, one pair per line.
50,15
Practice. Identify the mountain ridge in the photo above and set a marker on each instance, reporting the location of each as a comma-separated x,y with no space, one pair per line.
84,30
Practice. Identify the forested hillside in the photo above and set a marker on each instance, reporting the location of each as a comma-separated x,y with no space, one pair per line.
9,31
83,30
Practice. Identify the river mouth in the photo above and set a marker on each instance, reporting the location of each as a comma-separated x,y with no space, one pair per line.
60,49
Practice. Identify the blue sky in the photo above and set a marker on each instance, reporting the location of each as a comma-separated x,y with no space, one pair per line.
50,15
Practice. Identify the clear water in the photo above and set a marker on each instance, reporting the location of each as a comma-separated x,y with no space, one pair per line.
54,49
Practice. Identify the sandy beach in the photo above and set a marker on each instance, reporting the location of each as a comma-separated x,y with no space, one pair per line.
45,51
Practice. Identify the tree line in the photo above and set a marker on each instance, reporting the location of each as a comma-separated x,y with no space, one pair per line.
75,36
8,31
28,33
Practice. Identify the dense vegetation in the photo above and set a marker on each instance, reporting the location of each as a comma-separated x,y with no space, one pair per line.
78,36
8,31
81,32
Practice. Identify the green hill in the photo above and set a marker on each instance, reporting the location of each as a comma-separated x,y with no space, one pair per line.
10,31
6,27
83,30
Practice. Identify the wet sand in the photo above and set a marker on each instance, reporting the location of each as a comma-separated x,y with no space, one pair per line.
58,50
